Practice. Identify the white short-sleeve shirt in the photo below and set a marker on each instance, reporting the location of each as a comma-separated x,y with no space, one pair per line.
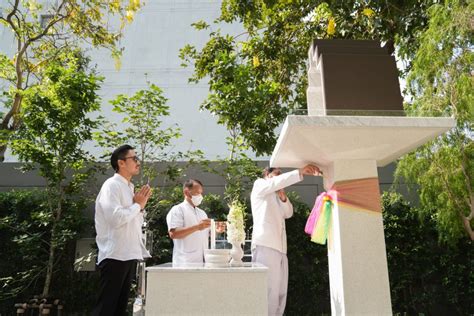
191,248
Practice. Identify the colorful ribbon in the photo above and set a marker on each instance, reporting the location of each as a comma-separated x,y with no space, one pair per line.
360,194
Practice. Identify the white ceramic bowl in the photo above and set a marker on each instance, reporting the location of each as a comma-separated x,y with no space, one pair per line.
217,255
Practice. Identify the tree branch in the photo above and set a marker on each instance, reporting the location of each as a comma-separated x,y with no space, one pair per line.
464,220
15,8
19,71
468,181
46,29
10,21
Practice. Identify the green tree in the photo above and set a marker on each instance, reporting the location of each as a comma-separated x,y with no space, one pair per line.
441,83
238,170
55,126
142,119
42,32
25,231
259,76
425,276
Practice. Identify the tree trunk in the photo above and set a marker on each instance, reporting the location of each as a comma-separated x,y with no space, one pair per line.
12,114
50,265
52,245
3,148
467,226
8,126
469,230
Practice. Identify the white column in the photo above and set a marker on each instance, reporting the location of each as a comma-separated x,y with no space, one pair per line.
213,234
358,272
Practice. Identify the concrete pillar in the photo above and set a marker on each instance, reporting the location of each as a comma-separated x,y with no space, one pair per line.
358,270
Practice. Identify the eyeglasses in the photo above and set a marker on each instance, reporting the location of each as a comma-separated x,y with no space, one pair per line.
135,158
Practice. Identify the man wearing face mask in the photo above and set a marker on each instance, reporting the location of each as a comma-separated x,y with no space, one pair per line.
270,208
188,225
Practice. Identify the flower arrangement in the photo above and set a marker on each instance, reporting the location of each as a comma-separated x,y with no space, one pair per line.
235,223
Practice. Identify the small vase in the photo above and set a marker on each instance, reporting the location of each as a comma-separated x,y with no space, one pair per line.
236,253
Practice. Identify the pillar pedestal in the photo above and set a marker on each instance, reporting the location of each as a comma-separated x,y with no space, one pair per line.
358,272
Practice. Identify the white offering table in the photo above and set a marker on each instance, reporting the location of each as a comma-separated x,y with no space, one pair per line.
198,289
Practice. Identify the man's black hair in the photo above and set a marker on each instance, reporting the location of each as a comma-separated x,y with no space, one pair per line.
119,154
267,171
189,184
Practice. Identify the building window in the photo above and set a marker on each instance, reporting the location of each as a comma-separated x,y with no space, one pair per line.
44,20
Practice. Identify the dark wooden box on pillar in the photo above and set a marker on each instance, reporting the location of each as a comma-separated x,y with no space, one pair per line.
352,77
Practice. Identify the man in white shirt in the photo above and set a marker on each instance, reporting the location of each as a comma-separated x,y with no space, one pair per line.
270,208
188,225
118,223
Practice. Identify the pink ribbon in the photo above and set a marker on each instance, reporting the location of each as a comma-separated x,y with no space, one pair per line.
363,194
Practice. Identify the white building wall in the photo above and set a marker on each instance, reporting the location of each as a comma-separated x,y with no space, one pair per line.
152,44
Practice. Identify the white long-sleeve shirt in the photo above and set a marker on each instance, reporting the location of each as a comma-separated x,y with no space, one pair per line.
118,222
269,212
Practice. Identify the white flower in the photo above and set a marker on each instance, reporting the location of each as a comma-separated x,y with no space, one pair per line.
235,223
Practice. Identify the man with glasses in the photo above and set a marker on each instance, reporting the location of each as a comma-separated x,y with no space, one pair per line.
270,208
118,223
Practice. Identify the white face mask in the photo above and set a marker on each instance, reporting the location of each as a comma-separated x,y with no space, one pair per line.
196,199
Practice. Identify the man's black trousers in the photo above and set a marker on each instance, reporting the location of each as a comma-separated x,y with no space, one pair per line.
115,281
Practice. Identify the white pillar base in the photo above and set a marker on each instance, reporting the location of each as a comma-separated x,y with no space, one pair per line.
358,272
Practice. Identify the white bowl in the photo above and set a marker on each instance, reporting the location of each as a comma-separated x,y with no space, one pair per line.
221,252
217,255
